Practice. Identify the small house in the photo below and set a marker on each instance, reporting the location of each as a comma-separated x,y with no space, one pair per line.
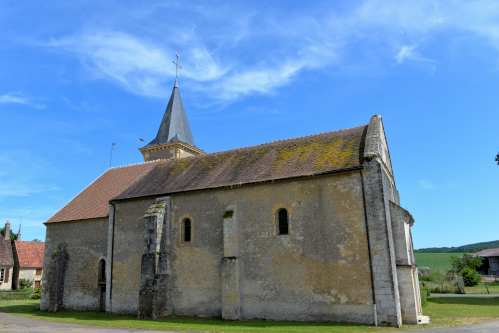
28,262
491,261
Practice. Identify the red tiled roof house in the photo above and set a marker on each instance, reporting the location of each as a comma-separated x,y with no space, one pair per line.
28,262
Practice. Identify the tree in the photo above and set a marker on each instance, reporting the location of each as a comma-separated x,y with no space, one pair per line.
466,266
497,158
467,260
13,236
36,240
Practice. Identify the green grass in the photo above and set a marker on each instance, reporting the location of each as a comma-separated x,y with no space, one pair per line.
436,261
480,289
456,311
444,312
177,323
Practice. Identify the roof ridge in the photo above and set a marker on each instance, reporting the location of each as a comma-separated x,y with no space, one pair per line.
27,241
133,164
261,144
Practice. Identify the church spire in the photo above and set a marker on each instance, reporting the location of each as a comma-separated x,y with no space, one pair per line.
174,126
174,135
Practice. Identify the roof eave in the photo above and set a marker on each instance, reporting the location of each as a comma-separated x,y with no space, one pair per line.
360,167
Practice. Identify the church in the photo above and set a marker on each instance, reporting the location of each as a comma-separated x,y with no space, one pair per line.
307,229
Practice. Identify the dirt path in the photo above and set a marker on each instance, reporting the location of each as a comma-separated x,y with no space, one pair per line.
10,323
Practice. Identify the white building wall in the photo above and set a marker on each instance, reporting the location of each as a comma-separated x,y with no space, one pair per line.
6,285
30,273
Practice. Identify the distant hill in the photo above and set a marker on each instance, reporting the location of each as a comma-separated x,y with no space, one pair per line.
471,248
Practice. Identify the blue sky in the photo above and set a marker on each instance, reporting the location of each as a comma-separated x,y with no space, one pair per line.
76,76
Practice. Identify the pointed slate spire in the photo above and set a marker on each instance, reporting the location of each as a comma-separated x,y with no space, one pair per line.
174,126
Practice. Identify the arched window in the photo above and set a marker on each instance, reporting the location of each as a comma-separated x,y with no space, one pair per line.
102,271
186,231
282,222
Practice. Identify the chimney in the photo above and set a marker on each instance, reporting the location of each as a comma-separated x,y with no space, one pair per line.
7,231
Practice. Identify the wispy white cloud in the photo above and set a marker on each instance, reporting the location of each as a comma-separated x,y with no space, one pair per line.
23,189
139,65
408,52
426,184
15,98
21,163
217,64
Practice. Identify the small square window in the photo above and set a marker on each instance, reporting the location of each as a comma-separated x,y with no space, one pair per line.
38,272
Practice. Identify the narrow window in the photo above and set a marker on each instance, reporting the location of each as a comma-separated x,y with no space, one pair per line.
102,271
282,222
187,231
1,275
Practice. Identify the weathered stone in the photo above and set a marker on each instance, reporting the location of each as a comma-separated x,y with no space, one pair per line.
347,255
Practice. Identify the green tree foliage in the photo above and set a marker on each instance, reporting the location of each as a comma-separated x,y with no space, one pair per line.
467,260
466,267
13,236
36,240
471,248
497,158
26,283
470,277
38,294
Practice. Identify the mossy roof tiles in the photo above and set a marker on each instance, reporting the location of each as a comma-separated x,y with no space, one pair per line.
30,254
305,156
93,201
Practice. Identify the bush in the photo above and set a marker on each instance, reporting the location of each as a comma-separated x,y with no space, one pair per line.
26,283
424,292
435,275
466,261
38,294
471,277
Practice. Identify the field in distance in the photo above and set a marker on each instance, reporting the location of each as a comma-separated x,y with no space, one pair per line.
436,261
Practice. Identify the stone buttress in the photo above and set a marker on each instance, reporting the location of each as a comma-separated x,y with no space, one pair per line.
396,286
155,288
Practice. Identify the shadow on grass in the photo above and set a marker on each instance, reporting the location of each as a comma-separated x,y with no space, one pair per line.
181,323
482,301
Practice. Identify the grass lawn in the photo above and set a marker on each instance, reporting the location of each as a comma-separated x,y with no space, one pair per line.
436,261
443,312
455,311
480,289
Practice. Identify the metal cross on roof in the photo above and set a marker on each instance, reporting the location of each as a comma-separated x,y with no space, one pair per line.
177,65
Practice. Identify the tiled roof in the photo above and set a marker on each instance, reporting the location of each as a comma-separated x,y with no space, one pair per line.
306,156
6,258
488,253
93,201
30,254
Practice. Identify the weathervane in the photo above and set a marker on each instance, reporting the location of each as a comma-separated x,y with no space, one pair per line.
177,65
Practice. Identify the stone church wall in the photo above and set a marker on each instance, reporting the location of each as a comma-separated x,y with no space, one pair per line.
127,255
320,271
78,247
